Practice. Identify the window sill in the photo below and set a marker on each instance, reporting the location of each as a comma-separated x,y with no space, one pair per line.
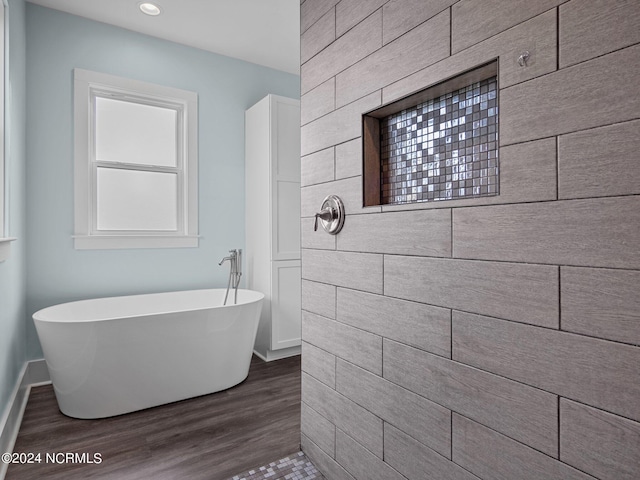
108,242
5,247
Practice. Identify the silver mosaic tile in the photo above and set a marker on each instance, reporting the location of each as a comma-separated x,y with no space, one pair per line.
293,467
442,149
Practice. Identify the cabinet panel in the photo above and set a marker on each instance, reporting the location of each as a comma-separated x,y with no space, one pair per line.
286,221
285,125
285,304
285,178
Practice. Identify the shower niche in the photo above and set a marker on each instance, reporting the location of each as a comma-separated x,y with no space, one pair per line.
438,144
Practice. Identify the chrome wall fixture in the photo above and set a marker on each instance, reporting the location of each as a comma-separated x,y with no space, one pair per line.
524,58
331,215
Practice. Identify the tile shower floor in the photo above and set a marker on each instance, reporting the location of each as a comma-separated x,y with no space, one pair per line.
293,467
212,437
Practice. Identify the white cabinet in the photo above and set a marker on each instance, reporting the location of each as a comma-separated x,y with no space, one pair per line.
272,247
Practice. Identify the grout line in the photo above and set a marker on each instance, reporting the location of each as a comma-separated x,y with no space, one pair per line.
558,168
382,360
559,428
452,244
451,30
558,38
451,433
335,163
451,333
383,257
559,298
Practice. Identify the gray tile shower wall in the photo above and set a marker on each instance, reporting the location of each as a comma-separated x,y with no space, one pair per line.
489,337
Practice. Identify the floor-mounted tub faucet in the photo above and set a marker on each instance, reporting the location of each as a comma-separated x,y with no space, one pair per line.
235,272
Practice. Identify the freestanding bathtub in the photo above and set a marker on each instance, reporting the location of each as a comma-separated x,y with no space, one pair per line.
116,355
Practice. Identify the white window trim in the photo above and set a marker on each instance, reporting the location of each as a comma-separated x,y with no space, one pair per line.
85,84
5,242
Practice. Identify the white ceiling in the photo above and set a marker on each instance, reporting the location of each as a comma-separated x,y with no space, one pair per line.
266,32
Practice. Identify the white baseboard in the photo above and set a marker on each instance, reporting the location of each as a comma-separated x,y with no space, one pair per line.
33,373
279,354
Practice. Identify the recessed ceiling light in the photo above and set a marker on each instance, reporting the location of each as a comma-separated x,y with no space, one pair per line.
150,9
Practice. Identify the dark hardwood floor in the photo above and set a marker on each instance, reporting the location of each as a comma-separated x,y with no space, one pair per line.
212,437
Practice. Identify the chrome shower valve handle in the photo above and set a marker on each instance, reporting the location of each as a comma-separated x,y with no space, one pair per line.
327,214
331,215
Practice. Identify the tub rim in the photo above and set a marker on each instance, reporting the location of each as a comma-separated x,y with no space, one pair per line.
38,316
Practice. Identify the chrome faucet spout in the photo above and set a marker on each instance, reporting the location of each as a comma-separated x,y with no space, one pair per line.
235,272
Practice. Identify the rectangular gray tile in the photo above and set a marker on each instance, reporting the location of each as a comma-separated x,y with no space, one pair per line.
599,443
356,44
351,12
400,16
344,414
597,372
538,36
475,20
419,417
319,298
400,58
311,12
318,36
493,456
360,462
528,172
417,462
318,102
317,167
530,110
422,326
524,293
524,413
360,271
319,430
600,232
319,364
592,28
349,159
315,239
352,344
601,303
338,126
420,232
600,162
323,462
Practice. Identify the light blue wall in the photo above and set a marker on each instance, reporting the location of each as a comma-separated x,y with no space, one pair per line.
13,271
56,44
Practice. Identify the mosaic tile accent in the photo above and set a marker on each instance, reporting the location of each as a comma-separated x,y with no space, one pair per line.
293,467
442,149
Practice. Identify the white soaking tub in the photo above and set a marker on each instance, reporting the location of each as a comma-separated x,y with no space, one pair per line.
116,355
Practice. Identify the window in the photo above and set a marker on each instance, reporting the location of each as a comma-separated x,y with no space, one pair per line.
136,164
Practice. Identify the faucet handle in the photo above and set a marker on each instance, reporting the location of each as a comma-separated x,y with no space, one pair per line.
332,215
327,214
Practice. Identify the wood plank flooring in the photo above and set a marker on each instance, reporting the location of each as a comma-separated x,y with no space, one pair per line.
212,437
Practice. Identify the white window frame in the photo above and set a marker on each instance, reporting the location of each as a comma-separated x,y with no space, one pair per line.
5,241
87,86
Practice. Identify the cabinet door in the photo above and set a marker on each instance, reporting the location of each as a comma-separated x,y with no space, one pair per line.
285,304
285,178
